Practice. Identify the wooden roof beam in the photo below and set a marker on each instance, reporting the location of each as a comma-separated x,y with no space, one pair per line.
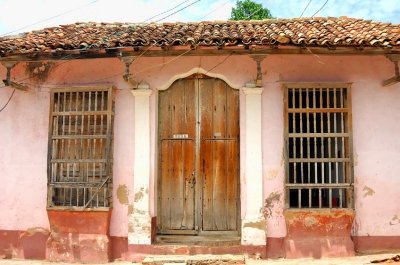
9,65
395,58
198,51
128,60
258,58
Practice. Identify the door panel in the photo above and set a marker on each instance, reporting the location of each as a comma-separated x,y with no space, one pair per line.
199,157
219,154
177,134
232,190
177,194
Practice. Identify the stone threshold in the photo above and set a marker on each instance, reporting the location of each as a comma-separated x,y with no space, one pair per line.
194,260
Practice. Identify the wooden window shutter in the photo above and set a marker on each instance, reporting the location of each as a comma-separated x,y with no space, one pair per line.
80,148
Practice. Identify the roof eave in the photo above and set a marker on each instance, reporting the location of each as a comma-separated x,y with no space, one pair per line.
56,55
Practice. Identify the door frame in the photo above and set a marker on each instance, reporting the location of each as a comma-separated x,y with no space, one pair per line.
142,216
199,182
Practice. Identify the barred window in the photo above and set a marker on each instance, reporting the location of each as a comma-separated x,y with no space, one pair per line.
80,148
318,146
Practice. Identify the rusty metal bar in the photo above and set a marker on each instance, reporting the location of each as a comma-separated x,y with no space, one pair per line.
322,110
294,140
319,198
322,185
321,160
299,135
328,105
308,138
342,125
322,139
299,197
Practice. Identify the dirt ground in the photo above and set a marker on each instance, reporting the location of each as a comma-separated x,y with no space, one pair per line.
357,260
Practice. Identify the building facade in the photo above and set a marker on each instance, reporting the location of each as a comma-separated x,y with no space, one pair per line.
200,141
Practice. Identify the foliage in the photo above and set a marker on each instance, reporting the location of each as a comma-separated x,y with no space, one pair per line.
247,10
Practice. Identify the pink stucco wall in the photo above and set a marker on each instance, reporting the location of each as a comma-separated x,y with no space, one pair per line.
375,126
24,131
23,159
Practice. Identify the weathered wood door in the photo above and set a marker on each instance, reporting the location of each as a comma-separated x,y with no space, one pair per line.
198,183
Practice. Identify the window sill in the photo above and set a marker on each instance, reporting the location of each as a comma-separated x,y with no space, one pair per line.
321,210
78,209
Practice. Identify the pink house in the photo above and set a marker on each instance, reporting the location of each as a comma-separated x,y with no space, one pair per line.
276,138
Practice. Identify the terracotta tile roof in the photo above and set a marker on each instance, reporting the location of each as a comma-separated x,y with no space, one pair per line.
313,32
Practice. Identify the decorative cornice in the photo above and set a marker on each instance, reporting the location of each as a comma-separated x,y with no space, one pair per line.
142,92
252,90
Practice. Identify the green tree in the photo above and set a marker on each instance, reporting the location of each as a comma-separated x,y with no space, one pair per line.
247,10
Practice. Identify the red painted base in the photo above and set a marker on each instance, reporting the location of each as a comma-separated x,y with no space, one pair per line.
30,244
37,243
318,247
315,247
323,233
376,244
275,247
83,248
79,236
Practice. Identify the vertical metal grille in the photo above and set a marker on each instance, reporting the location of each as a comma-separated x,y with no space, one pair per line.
80,162
318,146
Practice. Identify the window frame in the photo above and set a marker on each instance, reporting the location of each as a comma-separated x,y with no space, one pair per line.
108,179
350,183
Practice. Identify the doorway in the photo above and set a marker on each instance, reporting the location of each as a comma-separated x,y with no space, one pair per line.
198,141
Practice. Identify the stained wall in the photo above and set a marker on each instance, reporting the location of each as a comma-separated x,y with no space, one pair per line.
376,121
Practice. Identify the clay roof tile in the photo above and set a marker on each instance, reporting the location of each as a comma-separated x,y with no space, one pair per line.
317,31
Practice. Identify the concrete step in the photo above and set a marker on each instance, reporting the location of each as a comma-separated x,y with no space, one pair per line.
199,240
194,260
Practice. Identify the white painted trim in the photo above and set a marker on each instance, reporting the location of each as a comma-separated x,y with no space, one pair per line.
252,90
253,221
140,221
198,70
141,92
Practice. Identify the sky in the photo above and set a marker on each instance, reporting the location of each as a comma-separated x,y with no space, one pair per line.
26,15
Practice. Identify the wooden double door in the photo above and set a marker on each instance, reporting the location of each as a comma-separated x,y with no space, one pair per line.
198,180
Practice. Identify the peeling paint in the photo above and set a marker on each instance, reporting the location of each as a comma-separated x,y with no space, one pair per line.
355,159
39,70
270,201
319,223
310,221
139,211
131,228
257,225
300,214
34,230
368,191
139,195
271,174
122,194
395,220
130,209
283,156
